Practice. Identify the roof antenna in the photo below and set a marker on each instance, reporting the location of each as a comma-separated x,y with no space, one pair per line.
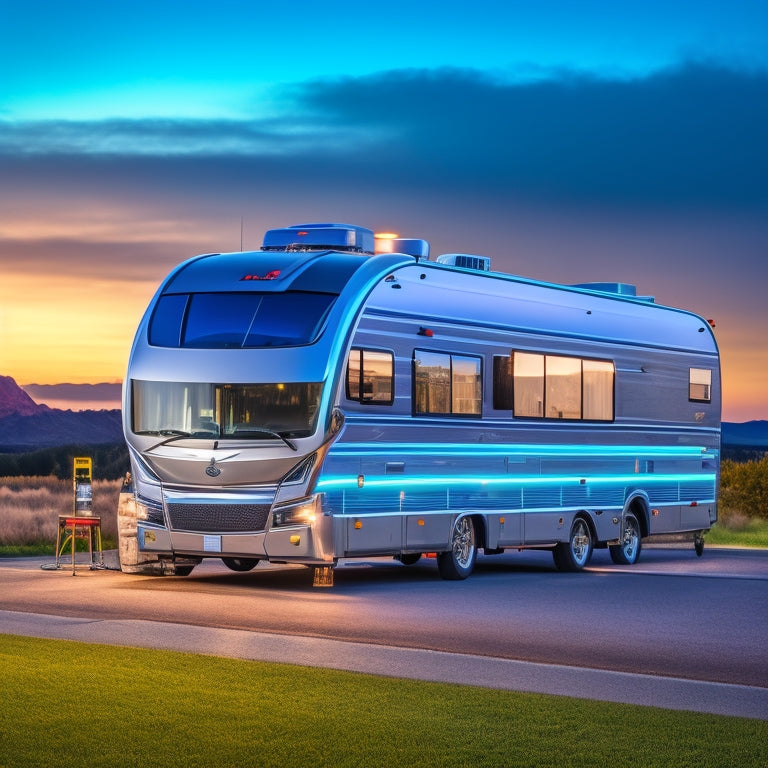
241,234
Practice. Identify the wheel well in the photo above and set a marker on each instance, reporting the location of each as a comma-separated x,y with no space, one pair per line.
480,530
639,508
590,524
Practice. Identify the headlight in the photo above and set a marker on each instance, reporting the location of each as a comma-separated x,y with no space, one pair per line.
302,512
149,510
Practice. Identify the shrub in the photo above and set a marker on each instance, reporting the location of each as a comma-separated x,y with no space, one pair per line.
744,488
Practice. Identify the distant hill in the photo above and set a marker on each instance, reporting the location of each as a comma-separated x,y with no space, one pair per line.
76,397
15,401
26,426
752,434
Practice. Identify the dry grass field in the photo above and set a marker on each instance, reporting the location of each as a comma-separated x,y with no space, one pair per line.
30,506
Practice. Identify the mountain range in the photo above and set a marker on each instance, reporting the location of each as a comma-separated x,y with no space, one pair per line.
27,425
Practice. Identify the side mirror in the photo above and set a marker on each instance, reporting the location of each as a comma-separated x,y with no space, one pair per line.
337,420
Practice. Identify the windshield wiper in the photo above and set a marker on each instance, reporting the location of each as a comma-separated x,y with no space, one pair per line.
179,434
175,434
264,431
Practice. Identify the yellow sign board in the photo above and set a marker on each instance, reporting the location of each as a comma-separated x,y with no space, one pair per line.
82,471
82,474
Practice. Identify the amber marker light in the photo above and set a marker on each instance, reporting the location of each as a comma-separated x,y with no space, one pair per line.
384,241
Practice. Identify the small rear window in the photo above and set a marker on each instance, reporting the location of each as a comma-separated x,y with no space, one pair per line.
700,385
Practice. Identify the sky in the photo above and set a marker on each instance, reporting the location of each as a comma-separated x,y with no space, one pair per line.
570,142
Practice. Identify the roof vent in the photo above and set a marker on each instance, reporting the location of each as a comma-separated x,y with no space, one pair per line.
616,289
466,261
410,246
320,237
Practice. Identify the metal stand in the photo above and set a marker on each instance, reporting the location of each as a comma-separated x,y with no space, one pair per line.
73,528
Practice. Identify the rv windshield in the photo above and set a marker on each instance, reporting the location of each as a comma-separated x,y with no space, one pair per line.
235,411
238,320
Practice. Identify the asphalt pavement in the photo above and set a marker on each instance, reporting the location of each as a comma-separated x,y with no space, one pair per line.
382,660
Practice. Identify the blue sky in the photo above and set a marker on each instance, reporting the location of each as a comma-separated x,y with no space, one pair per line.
569,141
106,58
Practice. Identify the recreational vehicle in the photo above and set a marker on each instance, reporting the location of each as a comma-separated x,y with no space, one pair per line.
336,395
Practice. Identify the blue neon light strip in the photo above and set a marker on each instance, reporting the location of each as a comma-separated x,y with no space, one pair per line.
415,482
516,449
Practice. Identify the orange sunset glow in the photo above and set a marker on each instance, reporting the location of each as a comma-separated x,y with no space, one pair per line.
520,132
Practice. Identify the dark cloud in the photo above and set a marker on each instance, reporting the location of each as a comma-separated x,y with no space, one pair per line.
690,136
695,134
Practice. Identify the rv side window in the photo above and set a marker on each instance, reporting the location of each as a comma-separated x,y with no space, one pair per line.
370,376
563,387
446,384
598,390
502,383
466,385
528,372
700,385
554,387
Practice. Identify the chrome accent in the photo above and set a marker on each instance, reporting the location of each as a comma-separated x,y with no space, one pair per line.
218,512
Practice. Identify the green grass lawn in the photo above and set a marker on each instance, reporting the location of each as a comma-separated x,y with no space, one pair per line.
74,704
753,532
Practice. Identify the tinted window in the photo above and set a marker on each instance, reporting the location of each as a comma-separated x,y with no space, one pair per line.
165,327
502,383
432,381
370,376
219,320
288,319
445,383
234,320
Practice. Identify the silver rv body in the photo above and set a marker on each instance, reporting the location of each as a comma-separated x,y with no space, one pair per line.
315,400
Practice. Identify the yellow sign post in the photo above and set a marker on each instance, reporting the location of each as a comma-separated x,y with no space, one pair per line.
81,524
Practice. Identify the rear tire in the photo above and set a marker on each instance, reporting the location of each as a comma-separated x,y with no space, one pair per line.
182,570
240,564
627,551
459,561
409,558
574,554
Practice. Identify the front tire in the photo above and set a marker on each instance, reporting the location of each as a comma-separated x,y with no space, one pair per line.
574,554
240,564
627,551
459,561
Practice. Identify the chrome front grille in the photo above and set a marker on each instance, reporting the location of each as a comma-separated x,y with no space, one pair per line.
218,513
218,518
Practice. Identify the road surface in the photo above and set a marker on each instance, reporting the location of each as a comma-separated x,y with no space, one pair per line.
673,616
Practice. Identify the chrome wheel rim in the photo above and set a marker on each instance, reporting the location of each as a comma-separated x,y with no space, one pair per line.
580,543
463,542
630,540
